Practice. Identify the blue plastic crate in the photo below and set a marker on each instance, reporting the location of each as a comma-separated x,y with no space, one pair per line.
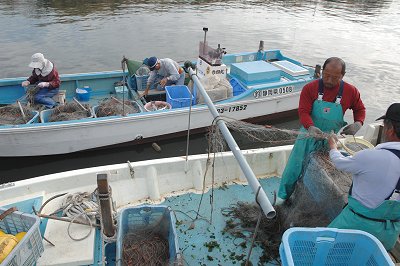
141,82
29,249
136,218
179,96
237,87
330,246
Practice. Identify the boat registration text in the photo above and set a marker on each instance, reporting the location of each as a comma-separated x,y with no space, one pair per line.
235,108
271,92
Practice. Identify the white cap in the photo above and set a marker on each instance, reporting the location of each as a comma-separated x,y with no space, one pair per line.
37,61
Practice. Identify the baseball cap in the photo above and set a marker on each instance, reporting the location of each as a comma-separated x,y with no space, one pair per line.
392,113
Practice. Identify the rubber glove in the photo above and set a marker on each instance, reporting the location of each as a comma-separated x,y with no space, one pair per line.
352,129
315,132
43,84
332,141
25,83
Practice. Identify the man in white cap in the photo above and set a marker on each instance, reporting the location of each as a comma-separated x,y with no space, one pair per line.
46,77
164,71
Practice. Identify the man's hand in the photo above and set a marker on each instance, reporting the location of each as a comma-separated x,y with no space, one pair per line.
315,132
43,84
332,140
146,91
163,82
352,128
26,83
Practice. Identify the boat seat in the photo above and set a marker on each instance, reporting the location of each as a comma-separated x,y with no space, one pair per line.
60,97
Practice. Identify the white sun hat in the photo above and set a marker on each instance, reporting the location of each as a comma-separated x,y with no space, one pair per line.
37,61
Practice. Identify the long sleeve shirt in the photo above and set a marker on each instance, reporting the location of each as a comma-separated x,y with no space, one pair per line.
168,69
375,172
350,100
49,74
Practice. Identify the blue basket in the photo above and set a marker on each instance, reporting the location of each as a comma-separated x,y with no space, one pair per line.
141,82
83,94
237,87
179,96
330,246
29,249
136,218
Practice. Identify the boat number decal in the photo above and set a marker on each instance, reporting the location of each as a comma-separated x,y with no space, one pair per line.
235,108
271,92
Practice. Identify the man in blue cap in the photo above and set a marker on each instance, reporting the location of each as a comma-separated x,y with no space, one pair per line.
164,72
373,201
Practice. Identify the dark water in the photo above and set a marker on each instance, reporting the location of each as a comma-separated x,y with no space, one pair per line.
86,36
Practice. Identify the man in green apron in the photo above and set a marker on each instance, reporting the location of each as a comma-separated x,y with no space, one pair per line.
322,105
373,204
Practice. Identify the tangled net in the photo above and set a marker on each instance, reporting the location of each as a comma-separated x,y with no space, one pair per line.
145,247
12,115
302,209
30,93
70,111
113,106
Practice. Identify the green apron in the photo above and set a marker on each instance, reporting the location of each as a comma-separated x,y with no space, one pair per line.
326,116
382,222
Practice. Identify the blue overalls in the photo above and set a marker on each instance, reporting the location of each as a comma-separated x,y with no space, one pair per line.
326,116
383,222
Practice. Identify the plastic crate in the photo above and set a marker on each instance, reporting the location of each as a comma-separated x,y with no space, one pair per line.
330,246
179,96
136,218
141,82
236,87
29,249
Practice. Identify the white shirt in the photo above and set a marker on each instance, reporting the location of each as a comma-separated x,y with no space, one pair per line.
375,172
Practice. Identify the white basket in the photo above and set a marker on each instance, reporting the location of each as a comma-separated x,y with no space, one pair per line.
29,249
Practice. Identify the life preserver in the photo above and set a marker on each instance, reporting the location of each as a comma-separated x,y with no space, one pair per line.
156,106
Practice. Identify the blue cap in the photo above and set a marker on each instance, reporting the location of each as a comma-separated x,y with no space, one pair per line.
151,62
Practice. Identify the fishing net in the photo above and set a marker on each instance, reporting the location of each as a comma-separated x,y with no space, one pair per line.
113,106
70,111
30,93
145,247
12,115
318,198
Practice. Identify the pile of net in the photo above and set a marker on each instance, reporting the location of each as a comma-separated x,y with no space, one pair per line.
113,106
12,115
70,111
318,198
145,247
30,93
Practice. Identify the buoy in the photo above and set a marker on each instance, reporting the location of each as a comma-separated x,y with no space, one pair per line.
156,147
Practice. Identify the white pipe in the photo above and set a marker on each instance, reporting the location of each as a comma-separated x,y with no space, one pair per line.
262,198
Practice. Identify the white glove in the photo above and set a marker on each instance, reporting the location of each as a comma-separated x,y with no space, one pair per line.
25,83
43,84
352,128
315,132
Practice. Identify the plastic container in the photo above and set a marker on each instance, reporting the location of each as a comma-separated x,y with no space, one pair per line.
29,249
236,87
330,246
135,104
141,82
83,95
46,114
135,218
179,96
156,106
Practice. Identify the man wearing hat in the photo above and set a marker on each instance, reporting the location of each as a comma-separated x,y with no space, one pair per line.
373,201
164,72
45,75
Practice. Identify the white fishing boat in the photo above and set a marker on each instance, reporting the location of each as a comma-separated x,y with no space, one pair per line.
195,229
265,85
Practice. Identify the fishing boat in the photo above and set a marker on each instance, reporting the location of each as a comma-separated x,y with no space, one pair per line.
264,85
194,190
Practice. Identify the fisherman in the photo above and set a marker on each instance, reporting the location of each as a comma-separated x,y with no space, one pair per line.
45,76
164,72
373,201
322,105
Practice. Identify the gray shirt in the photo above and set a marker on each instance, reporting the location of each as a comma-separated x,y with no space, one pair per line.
375,172
168,69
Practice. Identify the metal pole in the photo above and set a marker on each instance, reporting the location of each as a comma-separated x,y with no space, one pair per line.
262,198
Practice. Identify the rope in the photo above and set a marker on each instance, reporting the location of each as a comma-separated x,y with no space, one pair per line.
256,229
